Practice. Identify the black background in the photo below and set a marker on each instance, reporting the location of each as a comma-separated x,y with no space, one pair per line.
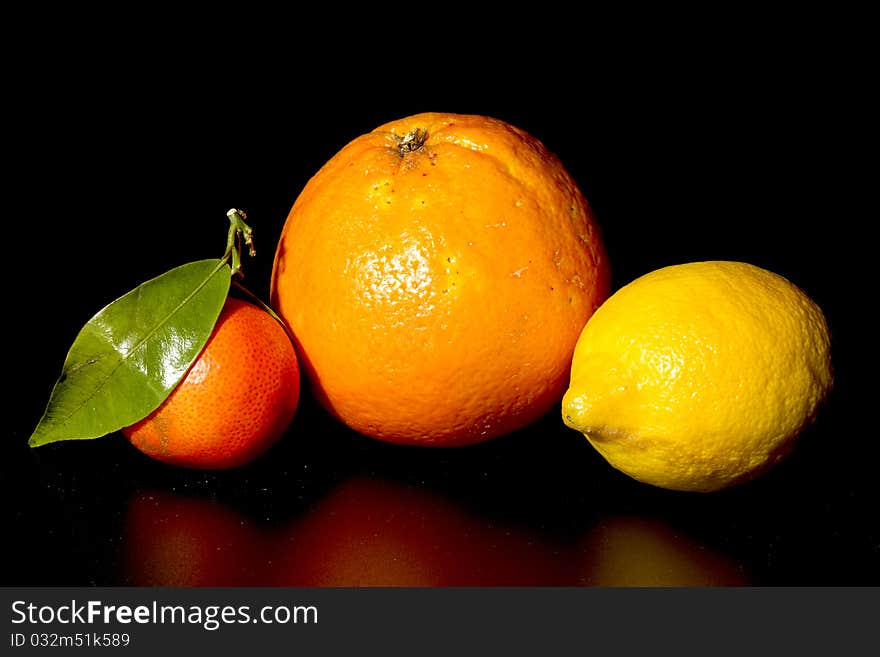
690,145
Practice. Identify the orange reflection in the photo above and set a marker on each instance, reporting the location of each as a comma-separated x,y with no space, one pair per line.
172,540
634,551
369,532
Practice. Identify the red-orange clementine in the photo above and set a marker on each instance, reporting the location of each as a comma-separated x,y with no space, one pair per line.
236,400
436,274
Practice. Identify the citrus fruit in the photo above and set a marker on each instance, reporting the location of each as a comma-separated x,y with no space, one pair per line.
235,401
699,376
436,273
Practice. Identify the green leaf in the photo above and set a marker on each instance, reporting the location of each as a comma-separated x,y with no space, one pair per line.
129,357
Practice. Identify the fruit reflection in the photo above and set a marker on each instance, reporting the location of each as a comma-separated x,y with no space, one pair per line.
373,532
635,551
370,532
171,540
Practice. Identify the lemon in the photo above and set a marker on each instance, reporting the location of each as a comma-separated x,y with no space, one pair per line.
699,376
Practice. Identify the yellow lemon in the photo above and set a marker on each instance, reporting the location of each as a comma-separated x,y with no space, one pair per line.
699,376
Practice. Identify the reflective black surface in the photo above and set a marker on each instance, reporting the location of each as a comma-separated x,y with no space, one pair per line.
679,165
328,507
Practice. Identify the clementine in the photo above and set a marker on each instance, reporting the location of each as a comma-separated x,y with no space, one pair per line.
436,274
235,401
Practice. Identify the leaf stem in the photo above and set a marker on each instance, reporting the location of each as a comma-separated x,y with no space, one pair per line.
238,231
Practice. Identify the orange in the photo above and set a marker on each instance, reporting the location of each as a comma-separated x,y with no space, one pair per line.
436,274
235,401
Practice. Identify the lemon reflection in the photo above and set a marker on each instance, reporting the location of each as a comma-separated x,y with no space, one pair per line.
636,551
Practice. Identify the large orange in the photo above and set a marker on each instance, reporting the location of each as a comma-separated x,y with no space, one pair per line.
235,401
436,274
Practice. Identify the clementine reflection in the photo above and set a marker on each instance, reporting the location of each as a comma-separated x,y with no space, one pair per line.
636,551
171,540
